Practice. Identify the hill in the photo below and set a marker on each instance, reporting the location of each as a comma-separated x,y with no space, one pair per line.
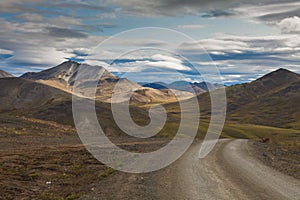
18,93
271,100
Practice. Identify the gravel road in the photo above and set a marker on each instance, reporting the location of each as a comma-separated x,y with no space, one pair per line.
229,172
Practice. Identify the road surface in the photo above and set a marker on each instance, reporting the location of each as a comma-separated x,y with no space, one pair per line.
229,172
232,172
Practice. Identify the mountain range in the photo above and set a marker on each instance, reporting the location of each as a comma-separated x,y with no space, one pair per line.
271,100
63,77
195,87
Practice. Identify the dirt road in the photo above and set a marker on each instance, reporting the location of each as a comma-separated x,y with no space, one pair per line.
230,171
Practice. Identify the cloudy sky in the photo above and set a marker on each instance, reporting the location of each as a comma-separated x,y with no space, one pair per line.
245,39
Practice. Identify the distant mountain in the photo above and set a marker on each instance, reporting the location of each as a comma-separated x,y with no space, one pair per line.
155,85
186,86
4,74
195,87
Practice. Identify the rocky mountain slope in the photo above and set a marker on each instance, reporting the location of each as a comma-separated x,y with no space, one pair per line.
4,74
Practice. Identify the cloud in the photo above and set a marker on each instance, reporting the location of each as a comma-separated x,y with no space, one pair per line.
269,11
169,7
37,44
45,33
37,57
247,57
63,21
266,11
191,26
64,33
32,17
155,62
6,52
290,25
165,65
15,6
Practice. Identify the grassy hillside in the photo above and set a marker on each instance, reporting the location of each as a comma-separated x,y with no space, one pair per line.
18,93
272,100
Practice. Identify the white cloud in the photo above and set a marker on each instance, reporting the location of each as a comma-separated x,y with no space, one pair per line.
39,56
63,21
32,43
218,46
162,57
167,65
191,26
146,65
290,25
265,9
32,17
149,63
6,51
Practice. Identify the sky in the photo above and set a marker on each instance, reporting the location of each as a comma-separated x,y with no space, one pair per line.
243,39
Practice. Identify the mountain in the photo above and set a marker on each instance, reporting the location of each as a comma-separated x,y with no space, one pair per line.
207,86
4,74
21,97
271,100
195,87
27,98
186,86
155,85
263,87
64,75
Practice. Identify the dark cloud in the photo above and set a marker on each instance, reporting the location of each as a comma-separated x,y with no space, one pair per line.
269,11
88,28
80,6
64,33
171,7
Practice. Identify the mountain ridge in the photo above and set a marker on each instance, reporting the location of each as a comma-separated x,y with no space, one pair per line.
272,99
